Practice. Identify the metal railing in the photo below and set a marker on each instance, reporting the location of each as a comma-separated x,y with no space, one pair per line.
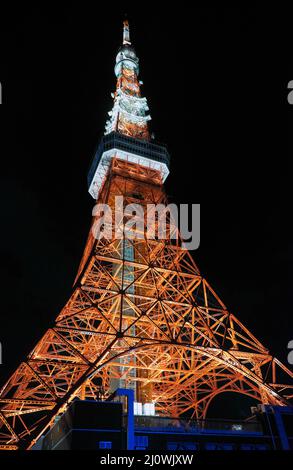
157,423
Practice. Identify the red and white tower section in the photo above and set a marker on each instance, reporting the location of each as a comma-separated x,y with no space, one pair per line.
141,315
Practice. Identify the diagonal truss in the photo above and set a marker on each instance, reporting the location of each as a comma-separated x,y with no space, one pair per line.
140,316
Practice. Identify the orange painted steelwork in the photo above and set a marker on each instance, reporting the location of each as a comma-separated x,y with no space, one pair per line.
140,314
182,345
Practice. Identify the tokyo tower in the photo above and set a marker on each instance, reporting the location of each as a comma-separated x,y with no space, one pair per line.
141,316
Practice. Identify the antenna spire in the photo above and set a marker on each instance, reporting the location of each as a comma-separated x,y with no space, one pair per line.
126,35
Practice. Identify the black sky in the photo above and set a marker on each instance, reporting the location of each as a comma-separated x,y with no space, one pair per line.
215,79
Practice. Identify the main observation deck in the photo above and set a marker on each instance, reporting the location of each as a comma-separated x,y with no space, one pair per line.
143,152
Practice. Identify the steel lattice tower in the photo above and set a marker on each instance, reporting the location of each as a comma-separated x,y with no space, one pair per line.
140,315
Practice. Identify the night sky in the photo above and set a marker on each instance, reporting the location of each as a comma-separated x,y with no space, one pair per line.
215,79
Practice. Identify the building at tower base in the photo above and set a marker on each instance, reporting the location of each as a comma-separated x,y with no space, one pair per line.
92,425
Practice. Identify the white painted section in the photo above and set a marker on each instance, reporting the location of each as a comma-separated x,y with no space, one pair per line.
137,408
105,162
149,409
